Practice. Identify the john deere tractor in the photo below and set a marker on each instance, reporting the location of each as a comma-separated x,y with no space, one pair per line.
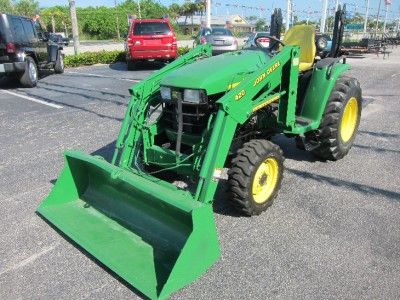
147,215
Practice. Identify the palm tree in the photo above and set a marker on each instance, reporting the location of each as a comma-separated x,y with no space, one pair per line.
174,11
185,10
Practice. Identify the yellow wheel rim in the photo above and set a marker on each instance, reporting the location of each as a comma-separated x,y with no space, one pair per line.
265,180
349,119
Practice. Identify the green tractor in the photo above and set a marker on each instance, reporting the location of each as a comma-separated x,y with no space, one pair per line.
147,215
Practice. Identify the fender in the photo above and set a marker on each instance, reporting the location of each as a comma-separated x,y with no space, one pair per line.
324,77
29,51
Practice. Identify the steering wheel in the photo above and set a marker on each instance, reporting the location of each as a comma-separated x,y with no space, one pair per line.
271,38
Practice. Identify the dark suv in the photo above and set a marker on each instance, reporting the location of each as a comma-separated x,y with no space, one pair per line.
25,49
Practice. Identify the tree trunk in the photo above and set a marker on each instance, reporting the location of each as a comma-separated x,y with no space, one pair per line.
192,26
74,22
53,24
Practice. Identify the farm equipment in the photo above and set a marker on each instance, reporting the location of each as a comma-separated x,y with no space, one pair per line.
147,215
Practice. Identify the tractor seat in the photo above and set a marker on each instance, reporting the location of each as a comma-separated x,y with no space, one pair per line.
303,36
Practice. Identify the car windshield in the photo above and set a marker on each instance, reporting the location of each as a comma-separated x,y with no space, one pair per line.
262,34
221,31
205,31
149,28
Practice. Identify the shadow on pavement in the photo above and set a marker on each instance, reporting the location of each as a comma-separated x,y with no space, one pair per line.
290,150
70,105
106,151
84,89
376,149
361,188
12,81
48,87
379,134
142,66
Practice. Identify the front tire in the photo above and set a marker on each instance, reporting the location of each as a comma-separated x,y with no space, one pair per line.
59,66
256,176
341,119
30,76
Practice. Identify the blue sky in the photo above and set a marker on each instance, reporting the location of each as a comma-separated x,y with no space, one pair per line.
223,7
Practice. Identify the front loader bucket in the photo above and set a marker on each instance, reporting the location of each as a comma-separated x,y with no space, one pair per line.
150,233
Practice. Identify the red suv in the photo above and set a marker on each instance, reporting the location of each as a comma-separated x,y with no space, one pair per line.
150,39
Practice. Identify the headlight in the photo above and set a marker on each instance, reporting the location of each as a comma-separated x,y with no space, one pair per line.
165,93
193,96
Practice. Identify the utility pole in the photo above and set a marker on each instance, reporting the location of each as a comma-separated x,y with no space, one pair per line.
366,17
208,13
74,22
377,19
398,22
323,19
336,6
287,14
116,14
138,4
384,23
292,13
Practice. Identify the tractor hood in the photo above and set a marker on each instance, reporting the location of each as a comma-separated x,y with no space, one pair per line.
217,73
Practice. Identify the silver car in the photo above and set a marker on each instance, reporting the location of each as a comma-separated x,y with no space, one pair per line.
263,41
222,40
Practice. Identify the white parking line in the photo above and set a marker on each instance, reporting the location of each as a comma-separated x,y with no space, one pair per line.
33,99
101,76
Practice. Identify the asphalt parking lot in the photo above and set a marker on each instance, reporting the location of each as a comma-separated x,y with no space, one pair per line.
333,232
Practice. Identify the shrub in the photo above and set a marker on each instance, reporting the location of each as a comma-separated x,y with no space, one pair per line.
91,58
102,57
183,50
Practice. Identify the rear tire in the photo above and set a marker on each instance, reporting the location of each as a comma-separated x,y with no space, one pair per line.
30,76
341,119
255,176
131,65
59,66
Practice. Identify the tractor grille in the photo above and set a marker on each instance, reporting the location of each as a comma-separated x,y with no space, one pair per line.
194,116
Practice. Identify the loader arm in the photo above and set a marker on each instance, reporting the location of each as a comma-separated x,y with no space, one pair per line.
142,95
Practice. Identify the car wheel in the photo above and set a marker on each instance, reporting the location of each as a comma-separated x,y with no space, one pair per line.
131,65
30,76
59,66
